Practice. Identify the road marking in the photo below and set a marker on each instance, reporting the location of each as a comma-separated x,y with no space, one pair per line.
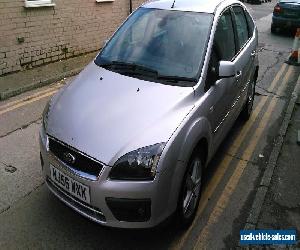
18,105
26,98
221,169
240,167
250,149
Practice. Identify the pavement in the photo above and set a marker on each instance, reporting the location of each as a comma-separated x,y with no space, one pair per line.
19,82
281,207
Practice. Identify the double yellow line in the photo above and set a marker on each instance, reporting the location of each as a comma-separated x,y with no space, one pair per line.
222,168
28,99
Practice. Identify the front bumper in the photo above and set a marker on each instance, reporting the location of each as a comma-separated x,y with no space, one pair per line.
284,22
111,201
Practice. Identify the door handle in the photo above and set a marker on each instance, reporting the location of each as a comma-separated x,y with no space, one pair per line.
253,54
238,74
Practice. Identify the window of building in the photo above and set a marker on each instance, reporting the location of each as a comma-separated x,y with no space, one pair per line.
104,1
38,3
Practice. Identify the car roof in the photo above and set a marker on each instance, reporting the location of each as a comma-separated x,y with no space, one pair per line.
206,6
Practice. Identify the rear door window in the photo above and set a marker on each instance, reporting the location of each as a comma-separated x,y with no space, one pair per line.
241,26
250,23
224,44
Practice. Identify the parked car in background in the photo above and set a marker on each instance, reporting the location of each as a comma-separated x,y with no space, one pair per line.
256,1
125,144
286,15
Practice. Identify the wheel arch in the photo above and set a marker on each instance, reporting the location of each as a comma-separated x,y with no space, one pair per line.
195,135
202,147
198,137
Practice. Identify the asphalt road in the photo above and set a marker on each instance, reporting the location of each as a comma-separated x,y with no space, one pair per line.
31,217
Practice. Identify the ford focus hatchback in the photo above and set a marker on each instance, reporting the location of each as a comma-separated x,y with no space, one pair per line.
125,143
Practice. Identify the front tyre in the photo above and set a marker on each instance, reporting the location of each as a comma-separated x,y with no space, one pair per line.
190,191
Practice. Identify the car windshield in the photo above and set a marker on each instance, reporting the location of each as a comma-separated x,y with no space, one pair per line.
163,45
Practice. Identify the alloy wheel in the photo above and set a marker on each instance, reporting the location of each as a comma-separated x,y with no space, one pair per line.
192,188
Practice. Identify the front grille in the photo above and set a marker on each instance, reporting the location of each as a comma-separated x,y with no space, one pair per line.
81,162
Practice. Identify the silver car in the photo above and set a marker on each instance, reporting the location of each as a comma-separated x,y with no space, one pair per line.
125,144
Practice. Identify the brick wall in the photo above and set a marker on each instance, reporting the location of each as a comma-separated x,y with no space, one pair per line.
30,37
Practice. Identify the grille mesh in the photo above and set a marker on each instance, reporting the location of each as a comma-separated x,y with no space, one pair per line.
82,163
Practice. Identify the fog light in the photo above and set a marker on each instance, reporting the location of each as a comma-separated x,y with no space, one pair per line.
141,211
130,210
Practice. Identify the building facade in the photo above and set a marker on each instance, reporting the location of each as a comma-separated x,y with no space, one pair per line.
36,32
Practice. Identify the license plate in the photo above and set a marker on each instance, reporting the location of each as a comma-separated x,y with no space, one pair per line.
68,184
290,13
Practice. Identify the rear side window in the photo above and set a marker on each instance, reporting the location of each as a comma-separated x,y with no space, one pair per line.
224,45
250,23
241,26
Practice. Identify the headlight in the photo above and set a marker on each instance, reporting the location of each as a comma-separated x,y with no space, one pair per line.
45,115
139,164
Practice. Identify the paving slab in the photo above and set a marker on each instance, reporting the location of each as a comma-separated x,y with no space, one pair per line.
20,169
281,207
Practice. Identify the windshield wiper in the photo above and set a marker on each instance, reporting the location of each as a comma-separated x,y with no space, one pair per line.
114,63
177,78
129,68
128,65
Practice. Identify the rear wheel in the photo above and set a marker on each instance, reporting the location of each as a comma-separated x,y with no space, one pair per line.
247,110
190,191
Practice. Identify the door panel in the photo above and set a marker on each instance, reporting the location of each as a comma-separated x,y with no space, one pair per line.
221,92
244,60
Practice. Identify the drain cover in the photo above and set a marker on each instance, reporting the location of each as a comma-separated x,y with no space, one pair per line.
10,169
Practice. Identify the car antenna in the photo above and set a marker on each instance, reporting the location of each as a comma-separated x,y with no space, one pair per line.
173,4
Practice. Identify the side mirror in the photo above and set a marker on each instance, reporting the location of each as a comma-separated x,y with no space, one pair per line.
226,69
